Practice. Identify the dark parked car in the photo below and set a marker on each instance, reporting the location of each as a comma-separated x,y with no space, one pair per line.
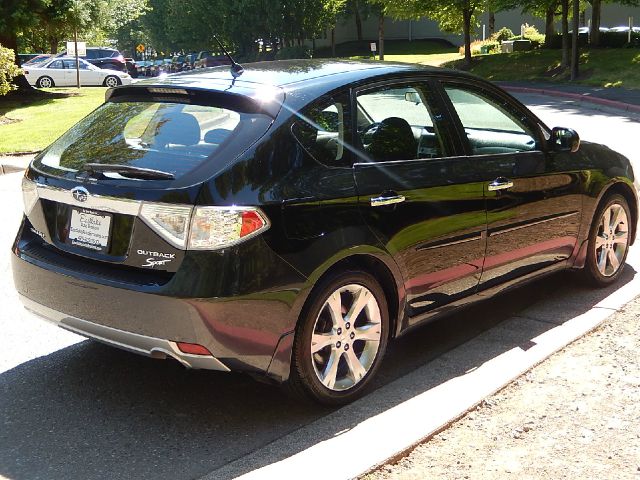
189,61
26,57
103,57
230,226
132,67
177,63
207,59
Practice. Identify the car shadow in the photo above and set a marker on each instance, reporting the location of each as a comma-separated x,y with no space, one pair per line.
91,411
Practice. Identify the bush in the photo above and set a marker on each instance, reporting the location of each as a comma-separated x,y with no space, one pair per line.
555,41
479,47
298,51
503,34
619,39
8,70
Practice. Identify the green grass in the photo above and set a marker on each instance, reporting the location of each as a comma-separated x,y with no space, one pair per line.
619,67
29,124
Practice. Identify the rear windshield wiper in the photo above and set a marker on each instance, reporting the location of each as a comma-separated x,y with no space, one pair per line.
127,171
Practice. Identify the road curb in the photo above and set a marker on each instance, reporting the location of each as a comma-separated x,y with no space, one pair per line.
627,107
378,439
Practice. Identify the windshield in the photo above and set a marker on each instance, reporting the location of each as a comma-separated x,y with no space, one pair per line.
171,137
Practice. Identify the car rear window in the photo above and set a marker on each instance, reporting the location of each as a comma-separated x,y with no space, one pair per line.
172,137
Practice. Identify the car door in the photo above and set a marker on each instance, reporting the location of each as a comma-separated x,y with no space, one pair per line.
417,194
533,209
56,71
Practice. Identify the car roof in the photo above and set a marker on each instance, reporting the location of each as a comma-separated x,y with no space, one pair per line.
299,81
293,74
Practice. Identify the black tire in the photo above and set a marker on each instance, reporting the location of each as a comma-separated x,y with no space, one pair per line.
603,246
110,80
45,82
345,340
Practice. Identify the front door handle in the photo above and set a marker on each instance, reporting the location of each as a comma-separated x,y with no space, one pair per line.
387,200
500,183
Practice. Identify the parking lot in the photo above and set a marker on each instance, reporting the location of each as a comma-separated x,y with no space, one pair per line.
73,408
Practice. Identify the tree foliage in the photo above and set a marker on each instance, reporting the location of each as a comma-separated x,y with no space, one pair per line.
8,70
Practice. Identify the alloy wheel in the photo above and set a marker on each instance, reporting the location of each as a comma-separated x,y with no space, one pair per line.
346,337
111,81
612,240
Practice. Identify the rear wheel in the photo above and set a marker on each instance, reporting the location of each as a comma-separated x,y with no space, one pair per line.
340,340
45,82
111,81
609,239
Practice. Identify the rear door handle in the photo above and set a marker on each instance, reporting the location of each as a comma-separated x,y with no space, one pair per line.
500,183
387,200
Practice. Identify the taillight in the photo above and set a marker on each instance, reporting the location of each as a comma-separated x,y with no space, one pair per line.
213,228
120,58
29,195
170,221
204,228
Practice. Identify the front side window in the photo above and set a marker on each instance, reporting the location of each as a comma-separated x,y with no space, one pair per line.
321,130
395,123
171,137
489,126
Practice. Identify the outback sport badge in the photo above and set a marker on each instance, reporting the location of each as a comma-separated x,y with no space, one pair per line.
80,194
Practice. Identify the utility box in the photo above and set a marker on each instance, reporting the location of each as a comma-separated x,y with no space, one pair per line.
506,46
521,45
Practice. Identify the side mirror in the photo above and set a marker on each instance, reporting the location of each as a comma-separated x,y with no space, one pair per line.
412,97
565,140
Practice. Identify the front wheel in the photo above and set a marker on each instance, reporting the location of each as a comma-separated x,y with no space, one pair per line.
45,82
609,239
111,81
340,339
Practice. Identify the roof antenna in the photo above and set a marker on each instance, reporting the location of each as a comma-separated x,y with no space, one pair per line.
236,68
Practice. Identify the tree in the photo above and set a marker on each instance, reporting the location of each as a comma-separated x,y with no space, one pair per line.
8,70
455,16
16,16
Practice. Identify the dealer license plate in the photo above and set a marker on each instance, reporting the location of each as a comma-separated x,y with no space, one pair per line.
89,229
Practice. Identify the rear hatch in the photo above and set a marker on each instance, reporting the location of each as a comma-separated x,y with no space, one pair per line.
118,190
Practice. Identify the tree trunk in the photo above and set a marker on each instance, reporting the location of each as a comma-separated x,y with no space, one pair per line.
381,36
549,27
11,41
466,18
356,8
566,44
574,38
492,23
333,42
594,34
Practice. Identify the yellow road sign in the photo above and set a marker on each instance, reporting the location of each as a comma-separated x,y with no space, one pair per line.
140,48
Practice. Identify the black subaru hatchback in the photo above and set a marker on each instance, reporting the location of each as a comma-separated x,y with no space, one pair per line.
290,220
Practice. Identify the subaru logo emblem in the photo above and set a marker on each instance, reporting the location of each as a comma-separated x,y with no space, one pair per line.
80,194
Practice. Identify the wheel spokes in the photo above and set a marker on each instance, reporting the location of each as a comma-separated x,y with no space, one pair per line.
369,332
356,369
360,301
322,340
334,302
330,374
613,260
344,344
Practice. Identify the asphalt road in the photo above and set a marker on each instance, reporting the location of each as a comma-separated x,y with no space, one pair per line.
74,409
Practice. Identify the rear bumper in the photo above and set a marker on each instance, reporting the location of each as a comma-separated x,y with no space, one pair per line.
132,342
241,330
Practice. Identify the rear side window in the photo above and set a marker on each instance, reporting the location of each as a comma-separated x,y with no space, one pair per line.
171,137
489,126
321,130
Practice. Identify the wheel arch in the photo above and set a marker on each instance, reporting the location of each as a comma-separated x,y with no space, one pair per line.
615,186
375,262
